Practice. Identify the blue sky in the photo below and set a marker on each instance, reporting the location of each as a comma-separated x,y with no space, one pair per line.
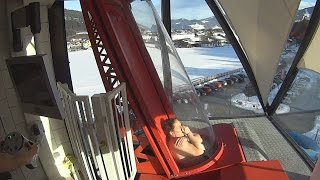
307,3
188,9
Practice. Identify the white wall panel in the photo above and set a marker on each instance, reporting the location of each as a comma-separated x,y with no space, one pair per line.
311,58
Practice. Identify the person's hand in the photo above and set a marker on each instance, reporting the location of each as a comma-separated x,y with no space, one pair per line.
26,157
33,150
186,130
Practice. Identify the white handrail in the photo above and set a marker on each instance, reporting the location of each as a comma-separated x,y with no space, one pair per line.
111,111
74,128
102,145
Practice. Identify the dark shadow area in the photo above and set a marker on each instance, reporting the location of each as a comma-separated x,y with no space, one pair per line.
296,176
251,144
299,122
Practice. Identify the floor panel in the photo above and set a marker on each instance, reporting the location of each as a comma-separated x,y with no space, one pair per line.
262,141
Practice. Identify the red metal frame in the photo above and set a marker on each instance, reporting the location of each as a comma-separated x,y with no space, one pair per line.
259,170
122,57
262,170
151,164
232,156
100,16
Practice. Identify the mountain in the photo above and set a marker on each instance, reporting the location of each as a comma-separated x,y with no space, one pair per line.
206,23
75,23
179,24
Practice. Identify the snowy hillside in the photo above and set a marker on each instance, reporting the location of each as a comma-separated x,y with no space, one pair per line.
207,23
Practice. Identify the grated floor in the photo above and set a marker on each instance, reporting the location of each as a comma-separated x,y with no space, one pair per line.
260,140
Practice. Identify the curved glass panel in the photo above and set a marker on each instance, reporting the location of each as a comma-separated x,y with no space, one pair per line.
211,62
304,93
302,122
175,80
295,38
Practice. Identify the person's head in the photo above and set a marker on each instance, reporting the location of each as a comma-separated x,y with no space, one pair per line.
173,128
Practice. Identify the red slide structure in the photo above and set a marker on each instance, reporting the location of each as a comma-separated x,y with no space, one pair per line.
121,56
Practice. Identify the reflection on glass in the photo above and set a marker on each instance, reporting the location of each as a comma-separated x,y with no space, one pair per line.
304,129
292,46
303,121
304,93
173,76
308,144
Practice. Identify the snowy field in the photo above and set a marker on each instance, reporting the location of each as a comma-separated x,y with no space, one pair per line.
202,62
84,73
199,62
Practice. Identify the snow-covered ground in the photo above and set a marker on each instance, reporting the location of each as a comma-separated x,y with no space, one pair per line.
253,104
197,26
199,62
202,62
84,73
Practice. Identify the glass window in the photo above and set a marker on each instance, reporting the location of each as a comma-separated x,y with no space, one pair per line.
302,122
85,75
295,38
191,125
304,92
211,62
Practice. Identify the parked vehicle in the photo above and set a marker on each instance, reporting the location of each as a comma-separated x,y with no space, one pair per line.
223,82
177,98
211,86
229,81
217,84
185,98
206,89
240,79
200,91
241,75
188,96
235,79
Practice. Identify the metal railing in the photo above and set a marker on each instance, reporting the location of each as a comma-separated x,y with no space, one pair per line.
201,80
115,137
102,143
77,111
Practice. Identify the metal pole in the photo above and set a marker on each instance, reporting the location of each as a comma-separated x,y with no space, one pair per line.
166,15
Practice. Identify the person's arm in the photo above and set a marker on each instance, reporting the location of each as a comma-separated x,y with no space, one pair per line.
11,162
183,146
194,138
